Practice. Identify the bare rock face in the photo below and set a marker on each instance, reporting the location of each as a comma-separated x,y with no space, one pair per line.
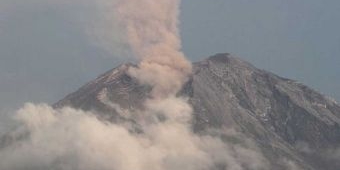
287,120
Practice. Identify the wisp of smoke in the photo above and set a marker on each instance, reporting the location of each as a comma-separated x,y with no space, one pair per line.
69,139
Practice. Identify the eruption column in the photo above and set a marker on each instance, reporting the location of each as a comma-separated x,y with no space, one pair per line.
152,33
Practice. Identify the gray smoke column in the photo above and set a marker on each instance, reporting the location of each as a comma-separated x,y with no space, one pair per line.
152,32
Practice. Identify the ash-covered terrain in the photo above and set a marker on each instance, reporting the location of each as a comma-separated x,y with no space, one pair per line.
291,125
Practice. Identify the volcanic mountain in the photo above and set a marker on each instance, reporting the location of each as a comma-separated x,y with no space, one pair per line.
289,122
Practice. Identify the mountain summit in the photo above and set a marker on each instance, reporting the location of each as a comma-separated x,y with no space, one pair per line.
289,122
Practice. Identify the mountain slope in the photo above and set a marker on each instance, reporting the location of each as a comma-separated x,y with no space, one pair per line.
288,121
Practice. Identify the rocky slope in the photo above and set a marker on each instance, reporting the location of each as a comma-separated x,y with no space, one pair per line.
287,121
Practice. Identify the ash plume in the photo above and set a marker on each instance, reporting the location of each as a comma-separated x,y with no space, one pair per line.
152,32
69,139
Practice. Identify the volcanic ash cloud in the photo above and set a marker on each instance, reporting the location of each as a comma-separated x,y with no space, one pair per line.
69,139
152,32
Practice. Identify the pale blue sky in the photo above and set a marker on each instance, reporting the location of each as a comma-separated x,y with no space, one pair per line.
45,53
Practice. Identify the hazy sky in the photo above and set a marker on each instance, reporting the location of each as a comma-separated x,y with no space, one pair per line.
49,48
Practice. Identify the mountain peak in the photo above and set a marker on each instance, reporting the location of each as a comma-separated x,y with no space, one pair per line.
227,92
221,58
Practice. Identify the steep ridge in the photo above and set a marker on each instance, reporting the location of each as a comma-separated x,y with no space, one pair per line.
287,120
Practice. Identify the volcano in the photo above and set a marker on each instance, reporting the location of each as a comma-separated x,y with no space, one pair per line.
288,121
